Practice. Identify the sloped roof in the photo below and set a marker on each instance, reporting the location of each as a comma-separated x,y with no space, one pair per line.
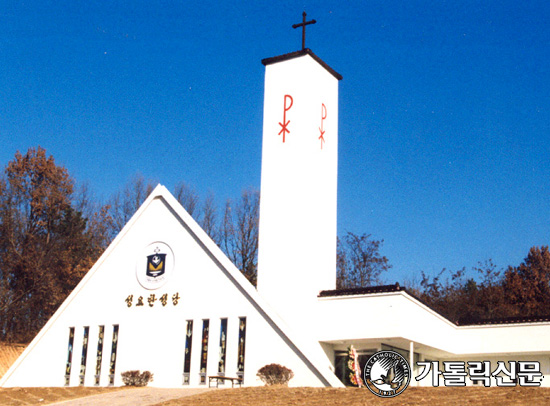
362,291
297,54
369,290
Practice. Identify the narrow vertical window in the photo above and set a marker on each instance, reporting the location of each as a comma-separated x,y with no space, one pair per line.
99,355
223,342
112,363
242,342
84,356
204,351
187,358
69,357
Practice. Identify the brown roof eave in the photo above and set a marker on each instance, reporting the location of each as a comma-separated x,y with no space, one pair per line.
297,54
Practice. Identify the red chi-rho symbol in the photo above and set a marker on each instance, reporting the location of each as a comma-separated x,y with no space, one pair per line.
321,130
285,123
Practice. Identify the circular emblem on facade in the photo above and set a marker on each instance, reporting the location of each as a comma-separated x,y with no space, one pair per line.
387,374
154,265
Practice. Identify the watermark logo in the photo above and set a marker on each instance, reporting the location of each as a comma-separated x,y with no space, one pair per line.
454,373
387,374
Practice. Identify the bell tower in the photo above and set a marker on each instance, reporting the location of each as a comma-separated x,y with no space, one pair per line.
297,234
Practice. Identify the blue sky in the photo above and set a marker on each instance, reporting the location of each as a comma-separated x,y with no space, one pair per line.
444,109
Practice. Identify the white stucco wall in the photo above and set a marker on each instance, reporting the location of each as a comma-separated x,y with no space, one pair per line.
380,315
400,315
398,319
297,240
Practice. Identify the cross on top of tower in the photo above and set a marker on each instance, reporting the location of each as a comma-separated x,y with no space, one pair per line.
303,25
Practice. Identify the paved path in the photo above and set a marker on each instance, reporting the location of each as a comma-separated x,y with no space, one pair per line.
133,397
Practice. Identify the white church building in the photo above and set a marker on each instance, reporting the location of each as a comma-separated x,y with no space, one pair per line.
164,298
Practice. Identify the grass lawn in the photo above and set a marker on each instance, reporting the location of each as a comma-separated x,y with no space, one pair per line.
281,396
44,396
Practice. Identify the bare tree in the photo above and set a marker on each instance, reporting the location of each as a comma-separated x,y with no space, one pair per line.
227,232
209,218
124,204
359,262
188,198
239,233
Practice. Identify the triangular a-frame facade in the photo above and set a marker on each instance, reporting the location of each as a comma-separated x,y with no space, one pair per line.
115,320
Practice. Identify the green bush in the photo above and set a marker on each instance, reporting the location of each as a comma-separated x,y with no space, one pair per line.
275,374
134,378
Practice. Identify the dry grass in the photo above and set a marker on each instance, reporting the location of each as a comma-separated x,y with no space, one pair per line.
280,396
36,396
44,396
8,355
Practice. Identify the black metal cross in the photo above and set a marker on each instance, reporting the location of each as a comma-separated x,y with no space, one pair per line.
303,25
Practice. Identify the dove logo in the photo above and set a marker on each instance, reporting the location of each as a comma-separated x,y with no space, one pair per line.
387,374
